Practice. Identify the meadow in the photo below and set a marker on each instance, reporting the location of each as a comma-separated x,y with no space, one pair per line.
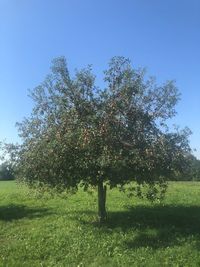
38,230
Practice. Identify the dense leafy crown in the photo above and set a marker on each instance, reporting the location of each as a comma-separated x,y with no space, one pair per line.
80,134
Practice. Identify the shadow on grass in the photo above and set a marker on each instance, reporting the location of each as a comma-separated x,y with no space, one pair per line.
16,212
155,226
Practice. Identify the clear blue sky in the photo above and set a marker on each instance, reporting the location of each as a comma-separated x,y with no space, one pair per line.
163,36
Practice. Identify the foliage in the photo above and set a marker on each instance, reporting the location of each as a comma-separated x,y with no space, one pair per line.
6,171
78,134
195,169
191,172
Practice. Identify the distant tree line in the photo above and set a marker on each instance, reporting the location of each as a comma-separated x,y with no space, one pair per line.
191,171
6,171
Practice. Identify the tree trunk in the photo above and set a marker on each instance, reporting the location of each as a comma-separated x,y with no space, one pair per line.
102,202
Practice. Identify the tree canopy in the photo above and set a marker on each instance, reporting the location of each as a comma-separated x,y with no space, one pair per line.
78,134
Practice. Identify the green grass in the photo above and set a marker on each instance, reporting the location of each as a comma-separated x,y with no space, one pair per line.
63,232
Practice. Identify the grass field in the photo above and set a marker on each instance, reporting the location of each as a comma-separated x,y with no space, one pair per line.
62,232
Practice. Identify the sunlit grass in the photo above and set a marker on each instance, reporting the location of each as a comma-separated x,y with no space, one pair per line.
63,232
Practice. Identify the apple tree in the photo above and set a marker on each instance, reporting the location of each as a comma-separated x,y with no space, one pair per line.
78,134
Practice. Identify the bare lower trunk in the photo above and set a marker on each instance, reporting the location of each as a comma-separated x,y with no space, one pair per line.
102,202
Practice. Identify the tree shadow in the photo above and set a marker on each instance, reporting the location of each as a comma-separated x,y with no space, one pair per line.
17,212
154,226
157,226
